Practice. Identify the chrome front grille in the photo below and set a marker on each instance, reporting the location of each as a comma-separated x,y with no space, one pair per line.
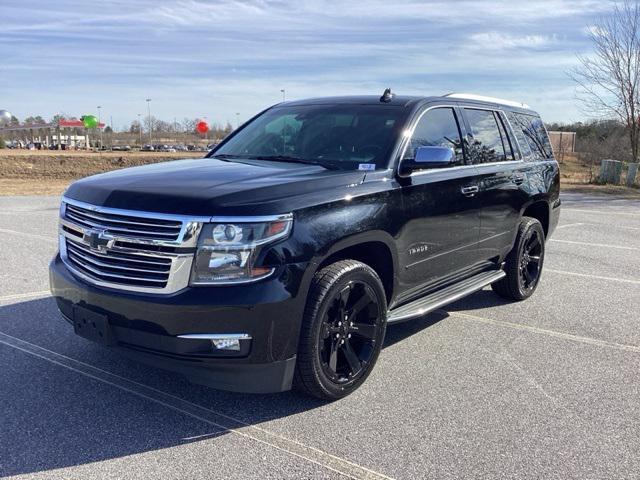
122,268
125,225
128,250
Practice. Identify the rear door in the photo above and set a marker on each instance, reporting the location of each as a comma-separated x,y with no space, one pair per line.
501,179
440,233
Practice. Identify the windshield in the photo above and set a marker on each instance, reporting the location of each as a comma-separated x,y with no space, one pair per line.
349,137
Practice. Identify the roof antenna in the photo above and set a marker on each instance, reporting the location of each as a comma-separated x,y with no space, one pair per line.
387,96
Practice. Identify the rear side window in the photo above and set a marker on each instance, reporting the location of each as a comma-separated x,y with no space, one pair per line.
532,136
437,128
489,143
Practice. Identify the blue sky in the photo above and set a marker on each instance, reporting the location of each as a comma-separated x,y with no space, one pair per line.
216,58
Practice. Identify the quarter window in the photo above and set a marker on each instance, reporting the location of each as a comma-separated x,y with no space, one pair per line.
437,128
489,142
532,136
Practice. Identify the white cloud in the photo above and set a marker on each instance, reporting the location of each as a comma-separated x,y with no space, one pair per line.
499,41
227,56
384,10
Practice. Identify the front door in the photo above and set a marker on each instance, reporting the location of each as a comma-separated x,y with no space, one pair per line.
441,224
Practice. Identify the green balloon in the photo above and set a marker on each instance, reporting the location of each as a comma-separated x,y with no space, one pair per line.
89,121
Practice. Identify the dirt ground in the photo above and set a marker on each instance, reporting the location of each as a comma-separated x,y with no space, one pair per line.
24,172
574,171
43,164
575,176
22,186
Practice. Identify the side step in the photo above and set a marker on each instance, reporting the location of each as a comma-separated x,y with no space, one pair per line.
440,298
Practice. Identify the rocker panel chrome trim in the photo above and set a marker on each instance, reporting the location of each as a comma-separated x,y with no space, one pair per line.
443,297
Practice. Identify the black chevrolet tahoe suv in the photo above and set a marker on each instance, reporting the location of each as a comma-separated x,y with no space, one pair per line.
279,259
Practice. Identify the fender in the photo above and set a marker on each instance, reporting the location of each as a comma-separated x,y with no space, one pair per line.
551,191
343,243
356,239
537,198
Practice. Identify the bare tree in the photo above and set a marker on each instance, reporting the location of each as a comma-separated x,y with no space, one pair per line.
135,127
609,81
189,124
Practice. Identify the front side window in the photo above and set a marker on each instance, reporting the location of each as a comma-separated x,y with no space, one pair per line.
347,137
437,128
489,143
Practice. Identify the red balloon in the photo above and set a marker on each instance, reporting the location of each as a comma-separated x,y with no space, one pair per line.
202,126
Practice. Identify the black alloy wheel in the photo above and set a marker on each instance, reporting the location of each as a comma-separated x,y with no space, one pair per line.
342,330
523,265
349,330
530,259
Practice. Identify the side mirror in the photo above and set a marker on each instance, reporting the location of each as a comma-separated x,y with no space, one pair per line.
428,157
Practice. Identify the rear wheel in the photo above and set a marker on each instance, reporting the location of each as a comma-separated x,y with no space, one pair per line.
343,330
523,265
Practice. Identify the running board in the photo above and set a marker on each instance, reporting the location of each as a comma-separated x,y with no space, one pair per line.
443,297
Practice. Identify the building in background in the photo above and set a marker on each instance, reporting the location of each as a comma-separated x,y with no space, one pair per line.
562,142
62,134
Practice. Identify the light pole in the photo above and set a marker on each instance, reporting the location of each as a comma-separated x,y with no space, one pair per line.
99,122
283,94
149,117
140,128
237,120
175,129
111,134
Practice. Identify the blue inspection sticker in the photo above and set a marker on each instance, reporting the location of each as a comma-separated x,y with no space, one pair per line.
367,166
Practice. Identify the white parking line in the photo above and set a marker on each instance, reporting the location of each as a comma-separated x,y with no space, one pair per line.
21,212
545,331
569,225
35,235
604,245
611,226
206,415
603,212
18,296
597,277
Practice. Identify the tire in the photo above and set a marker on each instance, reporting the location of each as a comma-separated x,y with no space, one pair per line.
343,329
523,265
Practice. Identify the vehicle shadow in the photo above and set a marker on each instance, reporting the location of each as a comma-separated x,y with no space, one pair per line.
400,331
55,417
483,299
477,301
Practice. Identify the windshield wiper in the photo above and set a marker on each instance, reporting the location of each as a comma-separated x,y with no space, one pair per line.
225,157
286,158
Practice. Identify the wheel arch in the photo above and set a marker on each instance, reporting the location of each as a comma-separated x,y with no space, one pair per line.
374,248
540,210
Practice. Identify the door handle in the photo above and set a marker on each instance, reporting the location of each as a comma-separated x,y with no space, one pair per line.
517,179
470,190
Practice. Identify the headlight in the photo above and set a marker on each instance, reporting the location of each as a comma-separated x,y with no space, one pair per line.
227,251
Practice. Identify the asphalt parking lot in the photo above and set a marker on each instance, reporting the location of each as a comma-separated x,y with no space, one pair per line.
548,388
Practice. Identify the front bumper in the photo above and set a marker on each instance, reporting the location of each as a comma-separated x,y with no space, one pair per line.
147,327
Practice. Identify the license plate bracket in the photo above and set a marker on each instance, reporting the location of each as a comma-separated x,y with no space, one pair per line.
92,326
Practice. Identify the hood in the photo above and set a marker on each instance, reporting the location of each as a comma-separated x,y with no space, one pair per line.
215,187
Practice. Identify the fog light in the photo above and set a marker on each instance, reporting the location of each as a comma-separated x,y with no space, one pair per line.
230,342
226,343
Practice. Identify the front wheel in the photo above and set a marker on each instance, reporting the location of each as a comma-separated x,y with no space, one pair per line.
342,332
523,265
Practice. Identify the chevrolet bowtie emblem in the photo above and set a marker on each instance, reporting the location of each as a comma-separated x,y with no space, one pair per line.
98,240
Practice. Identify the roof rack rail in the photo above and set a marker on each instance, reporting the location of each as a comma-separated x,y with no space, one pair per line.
482,98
